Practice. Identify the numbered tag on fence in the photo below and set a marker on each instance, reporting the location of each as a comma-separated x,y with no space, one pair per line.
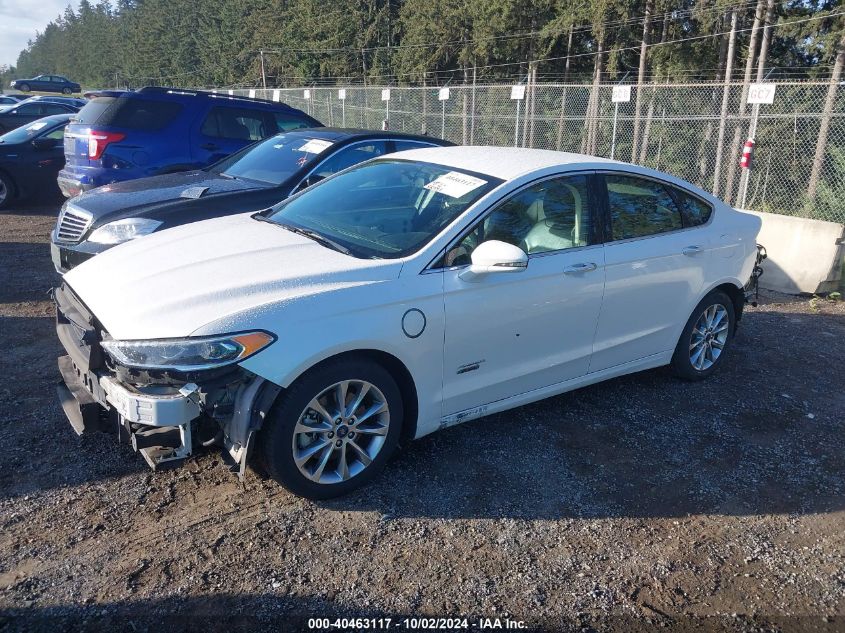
621,94
385,94
443,94
518,92
762,93
341,94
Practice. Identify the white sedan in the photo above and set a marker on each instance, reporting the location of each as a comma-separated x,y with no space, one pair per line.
399,297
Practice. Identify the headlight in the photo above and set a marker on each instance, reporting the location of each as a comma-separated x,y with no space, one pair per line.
188,354
123,230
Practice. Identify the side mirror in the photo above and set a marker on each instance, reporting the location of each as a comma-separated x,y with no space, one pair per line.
494,256
44,143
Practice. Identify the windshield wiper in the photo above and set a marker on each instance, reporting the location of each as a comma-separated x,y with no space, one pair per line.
317,237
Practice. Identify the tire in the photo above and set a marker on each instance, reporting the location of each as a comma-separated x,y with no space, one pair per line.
701,350
67,91
24,87
376,437
7,190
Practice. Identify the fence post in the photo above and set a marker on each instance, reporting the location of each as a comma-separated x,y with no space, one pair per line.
561,119
613,138
472,110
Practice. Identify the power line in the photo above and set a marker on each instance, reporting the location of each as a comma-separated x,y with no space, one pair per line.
578,55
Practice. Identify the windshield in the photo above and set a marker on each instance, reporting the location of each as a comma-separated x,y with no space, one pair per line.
25,132
274,160
385,208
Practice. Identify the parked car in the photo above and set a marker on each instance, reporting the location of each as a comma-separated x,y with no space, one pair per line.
5,100
14,116
46,83
401,296
15,96
122,135
255,178
76,102
30,158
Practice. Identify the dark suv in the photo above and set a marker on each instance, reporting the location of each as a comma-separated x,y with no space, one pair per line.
123,135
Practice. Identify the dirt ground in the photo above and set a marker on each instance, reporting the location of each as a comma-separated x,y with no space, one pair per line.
640,502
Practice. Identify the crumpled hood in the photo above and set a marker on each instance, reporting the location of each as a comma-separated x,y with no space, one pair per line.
170,284
132,196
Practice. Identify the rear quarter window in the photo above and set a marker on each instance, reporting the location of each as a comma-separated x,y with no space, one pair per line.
695,211
129,112
287,121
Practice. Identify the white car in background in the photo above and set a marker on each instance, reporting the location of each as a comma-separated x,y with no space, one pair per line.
396,298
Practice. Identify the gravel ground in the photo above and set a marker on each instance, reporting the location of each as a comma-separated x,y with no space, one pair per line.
643,501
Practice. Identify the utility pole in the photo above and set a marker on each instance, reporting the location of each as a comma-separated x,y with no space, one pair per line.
641,78
263,74
755,110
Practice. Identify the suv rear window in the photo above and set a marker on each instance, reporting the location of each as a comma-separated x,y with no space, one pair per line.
129,112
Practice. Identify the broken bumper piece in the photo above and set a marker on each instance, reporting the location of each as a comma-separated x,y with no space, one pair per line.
155,420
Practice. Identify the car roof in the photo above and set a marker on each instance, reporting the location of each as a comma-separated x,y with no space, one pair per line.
342,134
506,163
57,118
185,94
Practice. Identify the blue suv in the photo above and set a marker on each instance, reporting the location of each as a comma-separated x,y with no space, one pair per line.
122,135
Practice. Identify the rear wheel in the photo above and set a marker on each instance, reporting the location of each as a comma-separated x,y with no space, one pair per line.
67,91
7,190
706,337
334,429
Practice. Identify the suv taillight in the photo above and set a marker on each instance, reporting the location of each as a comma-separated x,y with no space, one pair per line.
98,141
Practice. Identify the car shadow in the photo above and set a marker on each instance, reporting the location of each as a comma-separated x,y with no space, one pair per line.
762,436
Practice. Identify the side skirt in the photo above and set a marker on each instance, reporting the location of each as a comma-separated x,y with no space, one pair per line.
648,362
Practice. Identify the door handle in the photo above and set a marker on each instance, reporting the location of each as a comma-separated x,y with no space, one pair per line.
691,251
574,269
210,147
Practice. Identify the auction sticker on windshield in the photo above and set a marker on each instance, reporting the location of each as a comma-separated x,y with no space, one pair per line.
455,184
315,146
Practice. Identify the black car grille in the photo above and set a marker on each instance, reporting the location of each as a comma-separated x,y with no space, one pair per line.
72,225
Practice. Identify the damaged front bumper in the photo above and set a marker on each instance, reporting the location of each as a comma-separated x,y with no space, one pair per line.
166,416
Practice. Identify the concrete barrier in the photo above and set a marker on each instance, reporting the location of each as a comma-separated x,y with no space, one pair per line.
805,256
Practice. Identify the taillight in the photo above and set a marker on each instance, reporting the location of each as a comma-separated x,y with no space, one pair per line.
98,141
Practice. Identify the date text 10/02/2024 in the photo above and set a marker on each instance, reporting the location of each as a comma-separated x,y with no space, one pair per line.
415,624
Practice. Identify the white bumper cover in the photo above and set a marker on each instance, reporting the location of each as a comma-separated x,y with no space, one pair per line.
151,408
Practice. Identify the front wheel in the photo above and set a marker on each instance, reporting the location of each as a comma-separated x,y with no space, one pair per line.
334,429
706,337
24,87
67,91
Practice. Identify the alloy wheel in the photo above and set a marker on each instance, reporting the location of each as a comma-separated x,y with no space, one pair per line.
709,336
4,192
341,431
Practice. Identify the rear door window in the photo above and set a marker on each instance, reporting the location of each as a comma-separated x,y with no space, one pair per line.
55,108
640,207
30,109
235,123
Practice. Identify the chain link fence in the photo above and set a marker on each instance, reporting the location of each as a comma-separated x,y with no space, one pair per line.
677,130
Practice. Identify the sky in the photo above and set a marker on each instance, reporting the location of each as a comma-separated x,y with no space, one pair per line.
20,19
